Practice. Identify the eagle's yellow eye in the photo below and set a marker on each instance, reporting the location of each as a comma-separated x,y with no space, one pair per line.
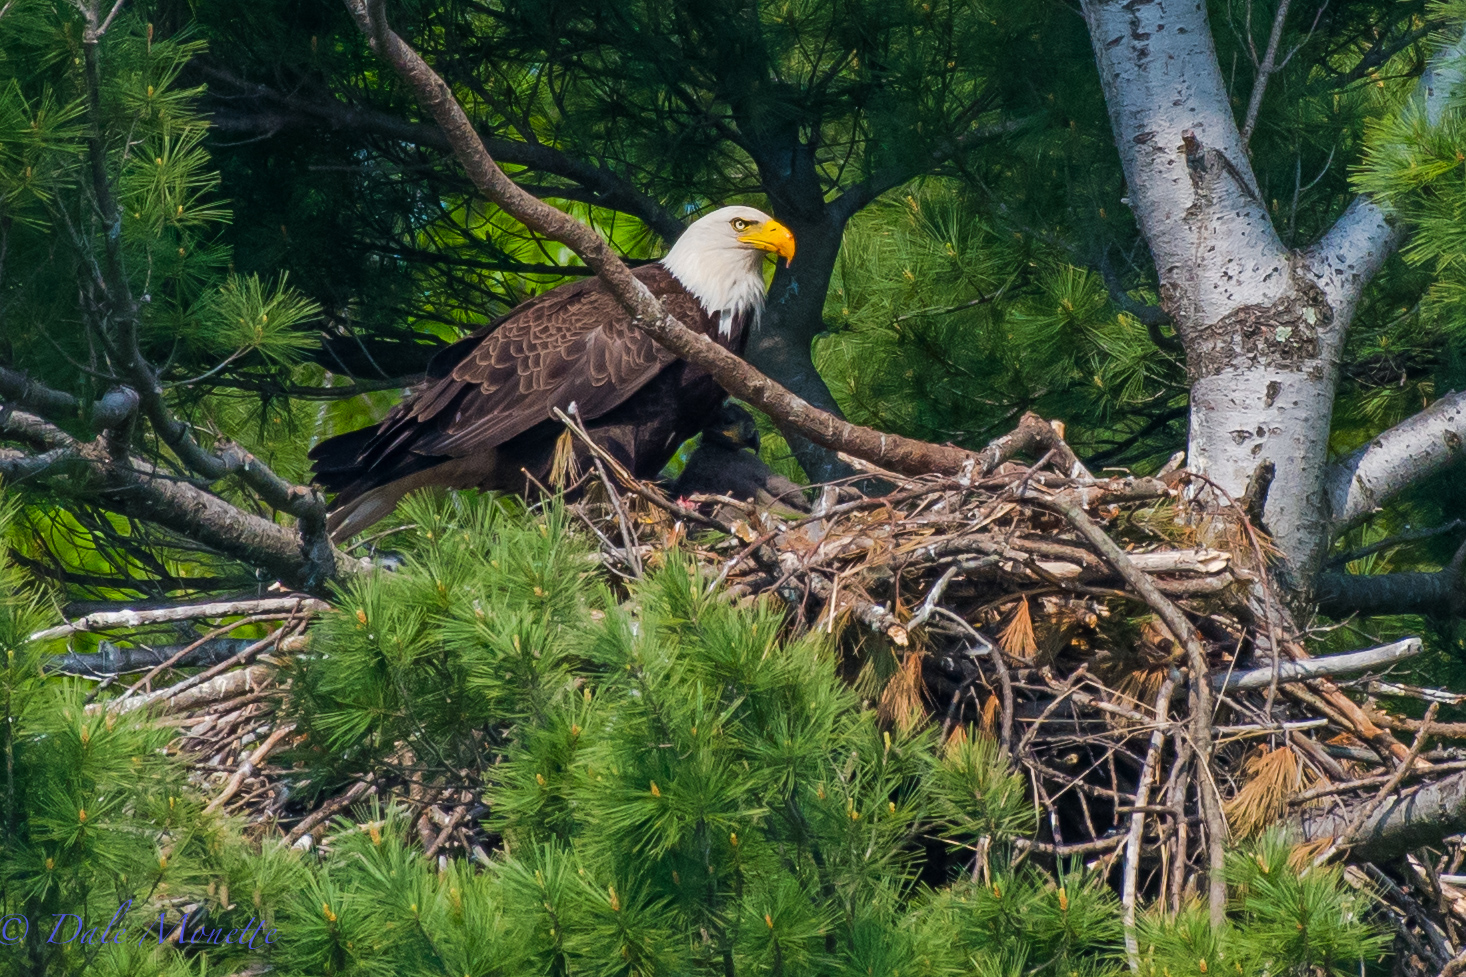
739,224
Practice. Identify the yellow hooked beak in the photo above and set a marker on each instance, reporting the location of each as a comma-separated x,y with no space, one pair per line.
771,236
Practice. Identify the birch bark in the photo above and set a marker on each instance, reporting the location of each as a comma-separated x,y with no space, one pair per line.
1263,326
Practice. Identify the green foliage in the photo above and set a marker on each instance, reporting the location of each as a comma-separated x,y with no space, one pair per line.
93,814
678,787
946,329
150,135
472,633
89,131
1287,920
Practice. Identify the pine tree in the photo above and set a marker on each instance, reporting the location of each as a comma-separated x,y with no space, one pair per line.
678,786
121,311
100,832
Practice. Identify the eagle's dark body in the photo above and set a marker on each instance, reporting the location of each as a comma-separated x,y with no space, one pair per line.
483,417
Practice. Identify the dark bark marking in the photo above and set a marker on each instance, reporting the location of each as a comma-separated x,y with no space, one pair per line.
1284,334
1254,499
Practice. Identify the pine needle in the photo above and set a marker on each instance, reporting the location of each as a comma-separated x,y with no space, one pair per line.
1139,685
1017,637
990,712
1272,778
1305,853
563,468
901,699
955,741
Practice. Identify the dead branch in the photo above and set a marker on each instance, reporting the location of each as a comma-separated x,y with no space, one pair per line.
1332,666
328,810
110,660
1404,821
1137,822
249,766
215,690
1362,815
267,609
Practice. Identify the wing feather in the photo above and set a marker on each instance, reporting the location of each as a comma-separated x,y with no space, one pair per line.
574,344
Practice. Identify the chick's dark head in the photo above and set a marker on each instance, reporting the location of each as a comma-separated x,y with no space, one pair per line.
731,427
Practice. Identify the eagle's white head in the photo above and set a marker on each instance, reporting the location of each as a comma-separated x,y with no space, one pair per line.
719,259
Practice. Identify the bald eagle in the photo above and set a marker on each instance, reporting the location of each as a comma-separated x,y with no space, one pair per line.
483,417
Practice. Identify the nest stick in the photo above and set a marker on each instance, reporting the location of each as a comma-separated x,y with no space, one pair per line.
245,656
330,808
1137,822
1201,718
249,766
273,607
1005,681
1054,703
447,832
190,648
631,482
1364,813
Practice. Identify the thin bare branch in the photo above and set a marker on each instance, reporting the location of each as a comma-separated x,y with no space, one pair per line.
258,609
1332,665
1148,770
1264,71
294,112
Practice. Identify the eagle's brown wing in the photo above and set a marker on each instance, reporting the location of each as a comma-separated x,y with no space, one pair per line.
573,344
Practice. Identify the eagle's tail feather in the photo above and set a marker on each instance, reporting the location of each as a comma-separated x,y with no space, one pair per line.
363,511
358,512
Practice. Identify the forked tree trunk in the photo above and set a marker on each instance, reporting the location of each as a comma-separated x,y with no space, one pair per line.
793,317
1263,326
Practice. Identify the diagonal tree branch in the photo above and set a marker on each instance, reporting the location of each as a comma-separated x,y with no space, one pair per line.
1406,454
1264,70
1351,253
736,376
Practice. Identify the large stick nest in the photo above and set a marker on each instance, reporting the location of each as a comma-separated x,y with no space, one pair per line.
1037,605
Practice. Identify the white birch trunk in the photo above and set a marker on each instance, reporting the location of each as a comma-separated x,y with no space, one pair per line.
1263,326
